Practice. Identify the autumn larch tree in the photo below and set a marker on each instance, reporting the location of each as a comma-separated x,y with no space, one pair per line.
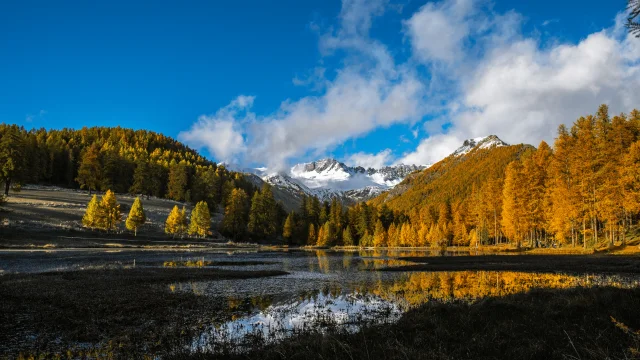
136,217
289,226
200,220
513,203
94,216
174,225
379,235
111,211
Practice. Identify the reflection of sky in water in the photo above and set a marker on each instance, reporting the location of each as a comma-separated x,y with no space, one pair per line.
275,322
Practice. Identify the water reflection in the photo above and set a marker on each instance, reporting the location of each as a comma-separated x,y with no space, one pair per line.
351,304
316,312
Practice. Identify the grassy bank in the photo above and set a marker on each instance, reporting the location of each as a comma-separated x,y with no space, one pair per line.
538,263
542,324
122,312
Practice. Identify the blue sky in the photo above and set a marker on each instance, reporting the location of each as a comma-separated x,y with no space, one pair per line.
369,82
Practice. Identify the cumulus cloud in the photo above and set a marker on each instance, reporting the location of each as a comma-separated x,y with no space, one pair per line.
522,90
366,160
438,30
368,92
221,133
472,72
432,150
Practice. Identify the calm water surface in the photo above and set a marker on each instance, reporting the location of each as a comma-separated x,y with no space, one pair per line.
323,289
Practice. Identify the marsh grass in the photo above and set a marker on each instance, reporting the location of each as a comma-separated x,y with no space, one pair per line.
117,312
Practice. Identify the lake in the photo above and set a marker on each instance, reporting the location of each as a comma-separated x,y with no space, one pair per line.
323,289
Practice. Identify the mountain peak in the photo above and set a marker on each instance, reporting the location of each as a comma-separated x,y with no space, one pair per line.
483,142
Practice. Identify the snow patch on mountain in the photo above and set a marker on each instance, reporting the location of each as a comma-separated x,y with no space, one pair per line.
483,142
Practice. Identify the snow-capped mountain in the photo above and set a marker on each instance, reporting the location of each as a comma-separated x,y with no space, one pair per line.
330,173
484,142
330,178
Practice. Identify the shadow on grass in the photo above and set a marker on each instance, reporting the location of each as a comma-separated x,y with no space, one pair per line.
126,312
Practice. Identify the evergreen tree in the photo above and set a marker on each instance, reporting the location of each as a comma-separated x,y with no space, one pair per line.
312,239
111,211
178,181
142,179
200,220
347,237
94,215
366,240
136,216
12,166
90,170
235,214
263,213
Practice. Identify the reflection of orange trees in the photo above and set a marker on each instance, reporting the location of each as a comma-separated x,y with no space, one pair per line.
323,261
419,288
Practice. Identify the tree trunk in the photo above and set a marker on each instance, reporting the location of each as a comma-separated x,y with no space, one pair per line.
584,230
7,186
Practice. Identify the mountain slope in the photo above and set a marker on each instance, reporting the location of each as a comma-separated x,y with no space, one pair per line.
453,178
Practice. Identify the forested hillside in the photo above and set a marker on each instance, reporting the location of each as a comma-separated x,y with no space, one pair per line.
583,191
135,162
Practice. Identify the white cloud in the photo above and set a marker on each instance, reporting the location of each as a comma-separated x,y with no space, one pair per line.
484,76
370,91
438,30
376,161
521,90
432,150
221,133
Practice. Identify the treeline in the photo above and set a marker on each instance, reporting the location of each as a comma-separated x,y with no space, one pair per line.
583,191
117,159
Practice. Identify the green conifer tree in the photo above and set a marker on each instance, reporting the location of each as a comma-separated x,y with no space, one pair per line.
90,170
347,237
235,214
312,238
